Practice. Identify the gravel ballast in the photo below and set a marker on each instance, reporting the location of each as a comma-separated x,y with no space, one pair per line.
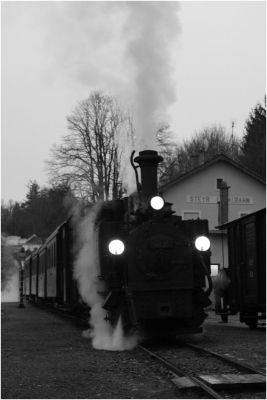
45,356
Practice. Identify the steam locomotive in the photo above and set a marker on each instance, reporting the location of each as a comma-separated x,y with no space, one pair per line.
155,267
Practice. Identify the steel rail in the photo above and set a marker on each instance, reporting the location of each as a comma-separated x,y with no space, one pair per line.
227,359
179,372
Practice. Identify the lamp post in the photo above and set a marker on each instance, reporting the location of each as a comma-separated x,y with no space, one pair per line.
21,261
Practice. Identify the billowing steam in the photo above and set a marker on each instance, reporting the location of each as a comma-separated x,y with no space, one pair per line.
123,48
152,28
10,292
9,274
86,272
150,31
119,47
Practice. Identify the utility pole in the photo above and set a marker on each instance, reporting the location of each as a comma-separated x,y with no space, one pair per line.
232,138
233,125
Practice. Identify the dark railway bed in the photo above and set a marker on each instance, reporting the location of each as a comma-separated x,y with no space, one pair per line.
45,356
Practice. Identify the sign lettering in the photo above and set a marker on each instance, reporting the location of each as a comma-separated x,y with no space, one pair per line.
206,199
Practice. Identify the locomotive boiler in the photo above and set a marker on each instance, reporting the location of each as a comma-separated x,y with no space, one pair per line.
154,265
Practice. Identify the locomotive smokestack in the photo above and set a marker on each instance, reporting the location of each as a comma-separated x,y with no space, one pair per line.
148,161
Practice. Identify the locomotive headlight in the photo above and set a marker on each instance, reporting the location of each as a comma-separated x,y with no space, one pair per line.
116,247
157,203
202,243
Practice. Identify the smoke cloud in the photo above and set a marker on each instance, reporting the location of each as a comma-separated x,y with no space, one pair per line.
122,48
9,274
152,28
136,38
149,33
59,52
10,292
86,272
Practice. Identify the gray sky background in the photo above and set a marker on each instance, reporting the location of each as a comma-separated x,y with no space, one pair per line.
208,66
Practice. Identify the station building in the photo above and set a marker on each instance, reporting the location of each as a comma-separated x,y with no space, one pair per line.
194,194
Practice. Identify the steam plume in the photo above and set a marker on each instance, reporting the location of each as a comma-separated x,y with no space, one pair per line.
124,48
9,274
10,293
152,27
86,272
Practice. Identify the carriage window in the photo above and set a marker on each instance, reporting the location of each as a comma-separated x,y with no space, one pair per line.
191,215
214,269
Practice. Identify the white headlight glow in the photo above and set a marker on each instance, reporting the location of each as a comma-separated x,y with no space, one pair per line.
157,202
116,247
202,243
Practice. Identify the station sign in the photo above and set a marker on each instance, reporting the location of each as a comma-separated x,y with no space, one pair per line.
206,199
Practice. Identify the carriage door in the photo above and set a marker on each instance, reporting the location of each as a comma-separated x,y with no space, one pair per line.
250,262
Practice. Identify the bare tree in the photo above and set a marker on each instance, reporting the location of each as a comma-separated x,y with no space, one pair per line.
167,146
205,145
88,159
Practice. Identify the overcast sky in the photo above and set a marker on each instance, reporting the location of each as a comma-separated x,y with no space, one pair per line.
192,64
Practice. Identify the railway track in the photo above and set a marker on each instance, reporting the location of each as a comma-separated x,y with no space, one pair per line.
219,377
200,373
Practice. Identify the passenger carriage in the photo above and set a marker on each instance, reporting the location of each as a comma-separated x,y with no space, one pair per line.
42,273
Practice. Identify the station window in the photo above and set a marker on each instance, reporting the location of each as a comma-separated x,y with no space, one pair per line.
214,269
191,215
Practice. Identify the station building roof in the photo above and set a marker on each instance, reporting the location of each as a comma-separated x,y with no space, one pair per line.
219,158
